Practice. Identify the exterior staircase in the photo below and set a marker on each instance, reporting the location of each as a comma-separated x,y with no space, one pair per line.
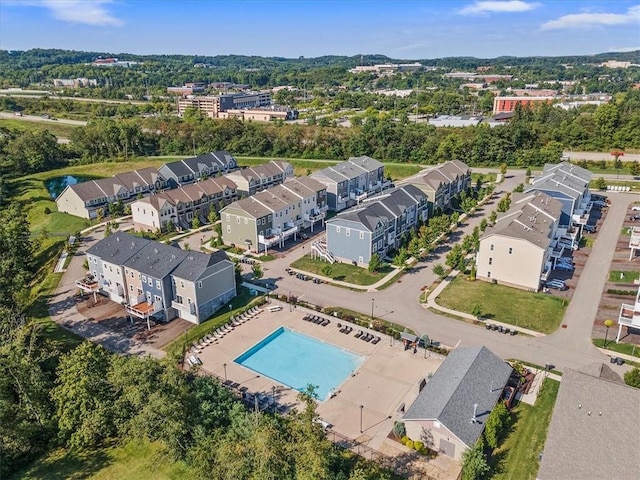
320,248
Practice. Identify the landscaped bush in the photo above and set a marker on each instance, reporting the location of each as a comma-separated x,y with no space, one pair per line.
615,291
404,440
399,430
47,210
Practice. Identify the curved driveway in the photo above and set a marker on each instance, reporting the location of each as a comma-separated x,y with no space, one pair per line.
570,347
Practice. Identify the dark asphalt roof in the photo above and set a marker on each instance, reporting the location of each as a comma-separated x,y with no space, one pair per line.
156,259
195,264
118,247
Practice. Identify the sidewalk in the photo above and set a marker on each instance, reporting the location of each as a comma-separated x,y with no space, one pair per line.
431,303
364,288
625,356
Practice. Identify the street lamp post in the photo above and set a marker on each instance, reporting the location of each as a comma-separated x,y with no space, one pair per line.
607,323
361,408
224,365
372,304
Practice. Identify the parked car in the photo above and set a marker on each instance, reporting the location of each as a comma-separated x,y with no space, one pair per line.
565,267
636,208
634,218
600,203
590,228
556,285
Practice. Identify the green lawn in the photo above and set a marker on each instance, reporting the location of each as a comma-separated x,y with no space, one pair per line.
517,457
626,348
58,129
137,460
617,276
536,311
344,272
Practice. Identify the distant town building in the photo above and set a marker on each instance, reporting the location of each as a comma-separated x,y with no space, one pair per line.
455,121
508,104
618,64
474,76
113,62
75,82
388,68
188,88
212,106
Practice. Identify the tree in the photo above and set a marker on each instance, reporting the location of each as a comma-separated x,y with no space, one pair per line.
474,463
505,203
212,217
483,225
601,184
519,188
632,377
374,263
401,258
634,168
497,424
195,223
439,270
107,230
503,169
256,269
493,216
455,258
528,173
82,396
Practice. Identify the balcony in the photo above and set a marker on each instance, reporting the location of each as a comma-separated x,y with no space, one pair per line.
189,309
144,309
278,236
88,284
316,214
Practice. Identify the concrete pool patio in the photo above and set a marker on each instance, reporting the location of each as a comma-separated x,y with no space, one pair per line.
388,377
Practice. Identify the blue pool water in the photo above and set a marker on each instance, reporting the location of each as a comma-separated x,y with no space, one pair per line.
297,360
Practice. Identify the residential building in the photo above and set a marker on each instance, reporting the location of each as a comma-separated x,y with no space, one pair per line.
593,432
202,284
508,104
188,170
272,216
157,281
388,68
105,259
629,316
251,180
85,198
569,184
451,411
522,246
442,183
352,181
376,226
181,205
113,62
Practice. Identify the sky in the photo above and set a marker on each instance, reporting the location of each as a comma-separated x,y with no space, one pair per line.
418,29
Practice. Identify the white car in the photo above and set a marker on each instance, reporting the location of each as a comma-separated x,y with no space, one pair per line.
636,208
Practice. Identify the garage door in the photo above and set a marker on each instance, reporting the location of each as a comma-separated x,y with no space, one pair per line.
448,448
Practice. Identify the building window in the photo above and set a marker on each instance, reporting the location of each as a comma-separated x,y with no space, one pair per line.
488,274
238,220
150,282
181,283
228,217
158,284
178,299
491,247
131,273
337,229
361,235
144,279
199,284
347,232
490,260
246,221
510,250
157,298
228,228
131,288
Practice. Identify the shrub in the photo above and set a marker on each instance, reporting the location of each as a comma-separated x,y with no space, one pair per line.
47,210
632,377
410,444
404,440
419,447
399,430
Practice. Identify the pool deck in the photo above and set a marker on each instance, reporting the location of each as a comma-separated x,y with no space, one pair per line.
388,377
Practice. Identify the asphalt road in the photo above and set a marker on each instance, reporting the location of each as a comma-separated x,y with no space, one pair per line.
35,118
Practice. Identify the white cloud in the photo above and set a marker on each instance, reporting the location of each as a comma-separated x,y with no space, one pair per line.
495,6
589,20
89,12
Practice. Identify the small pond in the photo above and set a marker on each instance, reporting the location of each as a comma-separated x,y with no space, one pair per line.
56,185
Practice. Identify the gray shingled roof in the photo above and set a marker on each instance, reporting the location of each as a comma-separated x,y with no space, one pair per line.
156,259
593,433
467,376
179,168
569,168
382,208
195,264
118,247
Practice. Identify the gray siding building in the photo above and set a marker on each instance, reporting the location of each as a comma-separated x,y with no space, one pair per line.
184,172
376,226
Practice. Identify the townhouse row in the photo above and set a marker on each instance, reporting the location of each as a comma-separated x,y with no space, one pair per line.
270,217
377,225
542,225
181,205
157,281
86,198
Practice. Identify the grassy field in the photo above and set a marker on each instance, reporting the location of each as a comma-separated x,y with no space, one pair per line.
617,276
58,129
344,272
626,348
517,457
536,311
137,460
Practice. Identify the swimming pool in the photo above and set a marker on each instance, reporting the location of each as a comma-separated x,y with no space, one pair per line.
297,360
